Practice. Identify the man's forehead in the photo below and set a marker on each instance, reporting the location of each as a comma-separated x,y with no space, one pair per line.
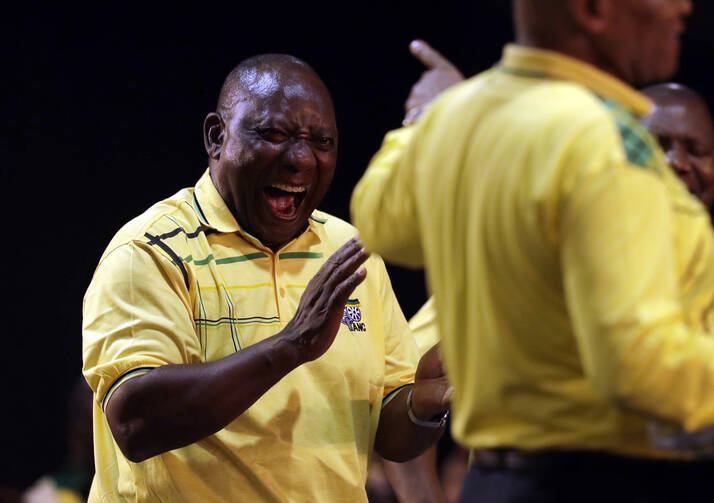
682,120
292,81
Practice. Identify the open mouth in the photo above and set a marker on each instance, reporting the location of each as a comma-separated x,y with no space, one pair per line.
285,199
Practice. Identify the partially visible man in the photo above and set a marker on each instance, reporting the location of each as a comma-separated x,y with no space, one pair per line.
572,271
238,349
682,123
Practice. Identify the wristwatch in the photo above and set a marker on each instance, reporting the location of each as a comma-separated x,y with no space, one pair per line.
438,423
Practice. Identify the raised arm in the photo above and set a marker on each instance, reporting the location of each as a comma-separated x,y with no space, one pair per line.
177,404
383,202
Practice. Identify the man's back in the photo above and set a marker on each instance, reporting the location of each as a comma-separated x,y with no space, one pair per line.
516,176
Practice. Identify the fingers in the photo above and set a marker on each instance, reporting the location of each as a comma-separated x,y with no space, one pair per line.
347,276
347,259
448,395
347,286
431,364
428,55
338,277
342,254
413,113
431,397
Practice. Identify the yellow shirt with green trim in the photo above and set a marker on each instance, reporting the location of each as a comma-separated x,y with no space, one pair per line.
183,283
572,271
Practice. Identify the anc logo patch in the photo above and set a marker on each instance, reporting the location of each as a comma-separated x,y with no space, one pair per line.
352,317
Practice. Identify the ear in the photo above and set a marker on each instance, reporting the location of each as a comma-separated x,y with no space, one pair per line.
593,16
214,131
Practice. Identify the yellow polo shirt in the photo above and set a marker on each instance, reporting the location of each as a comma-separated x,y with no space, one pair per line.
424,327
183,283
572,271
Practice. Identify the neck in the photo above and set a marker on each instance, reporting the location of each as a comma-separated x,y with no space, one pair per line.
576,47
547,24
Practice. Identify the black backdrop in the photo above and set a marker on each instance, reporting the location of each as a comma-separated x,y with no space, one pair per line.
103,111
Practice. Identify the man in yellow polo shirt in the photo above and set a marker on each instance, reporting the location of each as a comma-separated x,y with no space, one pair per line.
573,273
237,348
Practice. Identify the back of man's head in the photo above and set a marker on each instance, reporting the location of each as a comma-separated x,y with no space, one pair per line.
635,40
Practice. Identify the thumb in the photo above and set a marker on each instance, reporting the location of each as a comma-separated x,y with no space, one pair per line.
448,395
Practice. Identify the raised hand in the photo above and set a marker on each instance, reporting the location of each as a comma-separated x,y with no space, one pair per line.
439,76
322,304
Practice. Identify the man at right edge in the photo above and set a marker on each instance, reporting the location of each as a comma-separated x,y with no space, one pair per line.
572,271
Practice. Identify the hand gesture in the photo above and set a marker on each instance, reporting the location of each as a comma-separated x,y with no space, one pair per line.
322,304
432,393
439,76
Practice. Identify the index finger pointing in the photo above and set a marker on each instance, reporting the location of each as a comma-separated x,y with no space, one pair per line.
428,55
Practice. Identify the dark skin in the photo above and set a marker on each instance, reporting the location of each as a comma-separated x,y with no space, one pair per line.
272,137
634,40
683,125
278,132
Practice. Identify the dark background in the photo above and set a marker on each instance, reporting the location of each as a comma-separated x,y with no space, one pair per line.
103,110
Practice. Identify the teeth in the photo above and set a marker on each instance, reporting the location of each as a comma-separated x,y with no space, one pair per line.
290,188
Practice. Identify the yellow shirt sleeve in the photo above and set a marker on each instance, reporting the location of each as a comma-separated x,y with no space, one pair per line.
400,351
136,315
424,327
383,205
621,291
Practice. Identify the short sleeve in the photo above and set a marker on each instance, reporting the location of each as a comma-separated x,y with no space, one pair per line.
400,351
424,327
136,316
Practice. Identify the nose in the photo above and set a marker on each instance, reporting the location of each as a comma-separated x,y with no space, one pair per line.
678,159
300,156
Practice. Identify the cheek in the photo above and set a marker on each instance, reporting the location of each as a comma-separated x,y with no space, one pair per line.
326,170
705,169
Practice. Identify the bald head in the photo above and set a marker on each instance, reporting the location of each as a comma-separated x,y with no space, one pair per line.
674,94
262,75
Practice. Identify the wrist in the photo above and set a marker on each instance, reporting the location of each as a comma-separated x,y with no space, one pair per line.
437,420
287,349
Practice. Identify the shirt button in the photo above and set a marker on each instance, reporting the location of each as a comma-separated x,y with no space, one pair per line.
282,291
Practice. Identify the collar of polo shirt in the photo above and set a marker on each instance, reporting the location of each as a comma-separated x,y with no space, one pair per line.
214,212
523,60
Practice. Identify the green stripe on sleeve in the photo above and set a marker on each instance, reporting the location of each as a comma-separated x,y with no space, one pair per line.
132,373
391,395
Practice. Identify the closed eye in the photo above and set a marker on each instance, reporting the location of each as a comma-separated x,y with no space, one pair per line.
272,135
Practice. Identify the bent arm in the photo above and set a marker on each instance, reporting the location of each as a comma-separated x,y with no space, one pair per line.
383,206
621,286
398,438
176,405
136,317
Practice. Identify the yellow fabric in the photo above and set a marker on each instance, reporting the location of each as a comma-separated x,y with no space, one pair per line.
309,437
68,496
424,327
574,285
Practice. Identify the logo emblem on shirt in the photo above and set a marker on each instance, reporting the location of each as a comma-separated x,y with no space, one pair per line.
352,317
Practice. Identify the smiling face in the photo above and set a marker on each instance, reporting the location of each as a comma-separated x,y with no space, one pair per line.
683,125
276,150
